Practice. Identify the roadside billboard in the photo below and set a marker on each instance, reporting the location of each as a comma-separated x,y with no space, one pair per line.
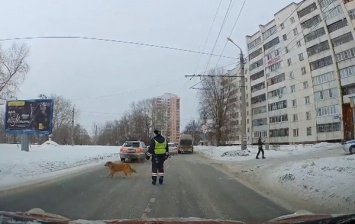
29,116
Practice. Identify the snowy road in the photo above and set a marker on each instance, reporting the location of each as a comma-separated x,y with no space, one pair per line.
193,188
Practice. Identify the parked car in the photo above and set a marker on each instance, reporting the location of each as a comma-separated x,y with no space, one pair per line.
173,149
133,150
349,146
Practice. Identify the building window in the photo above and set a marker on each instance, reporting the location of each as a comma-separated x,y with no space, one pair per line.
284,37
293,88
352,14
258,134
276,79
258,99
325,3
347,1
247,121
321,63
333,12
282,26
254,43
256,64
282,132
292,19
347,72
330,110
298,43
294,103
305,85
345,38
259,110
330,127
309,131
273,54
271,43
347,54
257,75
307,100
337,25
308,115
286,50
289,62
295,31
349,89
292,76
303,70
269,32
255,53
278,105
307,10
273,68
326,94
295,117
312,22
314,35
258,87
315,49
323,78
300,57
278,119
277,92
259,122
295,132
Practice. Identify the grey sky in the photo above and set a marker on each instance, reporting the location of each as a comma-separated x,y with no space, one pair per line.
102,78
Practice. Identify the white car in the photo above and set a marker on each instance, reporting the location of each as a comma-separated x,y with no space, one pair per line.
173,150
349,146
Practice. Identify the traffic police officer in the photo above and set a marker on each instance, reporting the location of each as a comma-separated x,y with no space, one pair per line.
159,152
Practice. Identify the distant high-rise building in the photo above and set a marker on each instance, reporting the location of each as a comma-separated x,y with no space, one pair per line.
166,118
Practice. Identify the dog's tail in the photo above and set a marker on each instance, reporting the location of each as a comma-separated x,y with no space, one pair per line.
133,170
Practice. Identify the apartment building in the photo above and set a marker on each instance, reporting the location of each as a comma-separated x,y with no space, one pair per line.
302,73
167,116
232,130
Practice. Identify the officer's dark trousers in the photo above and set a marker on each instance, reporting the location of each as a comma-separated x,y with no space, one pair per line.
157,167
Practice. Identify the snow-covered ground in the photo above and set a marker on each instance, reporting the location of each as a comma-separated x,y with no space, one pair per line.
318,178
43,162
234,153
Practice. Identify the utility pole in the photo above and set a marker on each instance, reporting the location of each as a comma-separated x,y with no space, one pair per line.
72,126
244,116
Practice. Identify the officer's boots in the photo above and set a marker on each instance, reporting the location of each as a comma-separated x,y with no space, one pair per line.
154,180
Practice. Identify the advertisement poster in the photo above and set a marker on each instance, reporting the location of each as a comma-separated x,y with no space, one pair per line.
29,116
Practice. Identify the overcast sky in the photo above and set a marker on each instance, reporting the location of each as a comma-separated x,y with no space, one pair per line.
103,78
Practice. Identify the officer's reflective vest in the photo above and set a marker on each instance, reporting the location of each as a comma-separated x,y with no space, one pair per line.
160,148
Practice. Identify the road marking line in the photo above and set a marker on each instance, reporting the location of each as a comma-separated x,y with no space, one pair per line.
147,209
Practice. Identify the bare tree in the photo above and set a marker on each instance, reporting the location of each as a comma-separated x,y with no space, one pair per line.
13,69
215,96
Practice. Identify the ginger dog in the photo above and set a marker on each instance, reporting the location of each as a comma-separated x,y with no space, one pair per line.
121,167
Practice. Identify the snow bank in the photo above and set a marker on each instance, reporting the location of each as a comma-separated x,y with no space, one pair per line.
50,143
47,161
328,182
234,153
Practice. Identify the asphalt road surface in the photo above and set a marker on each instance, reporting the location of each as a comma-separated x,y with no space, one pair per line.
192,188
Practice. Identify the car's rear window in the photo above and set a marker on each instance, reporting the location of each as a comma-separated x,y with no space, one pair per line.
171,144
132,144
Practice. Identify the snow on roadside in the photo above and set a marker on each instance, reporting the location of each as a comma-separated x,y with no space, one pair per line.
18,168
234,153
328,182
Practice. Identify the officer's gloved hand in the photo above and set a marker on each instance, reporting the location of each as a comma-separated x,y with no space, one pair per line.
147,156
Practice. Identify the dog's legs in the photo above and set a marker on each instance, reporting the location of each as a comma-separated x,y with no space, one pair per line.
108,174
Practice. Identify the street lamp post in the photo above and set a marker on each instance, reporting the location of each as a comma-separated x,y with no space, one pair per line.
242,85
